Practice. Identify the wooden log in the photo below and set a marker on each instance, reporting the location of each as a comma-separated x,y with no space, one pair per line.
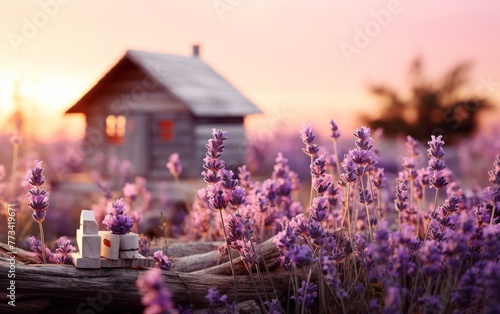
21,255
182,249
206,263
247,307
113,290
197,262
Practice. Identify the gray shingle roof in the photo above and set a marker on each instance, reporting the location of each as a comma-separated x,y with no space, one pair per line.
195,83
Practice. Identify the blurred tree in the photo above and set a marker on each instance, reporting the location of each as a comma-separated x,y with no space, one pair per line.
440,107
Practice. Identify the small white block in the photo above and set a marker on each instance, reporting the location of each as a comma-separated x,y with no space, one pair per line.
129,245
85,262
89,245
88,223
110,244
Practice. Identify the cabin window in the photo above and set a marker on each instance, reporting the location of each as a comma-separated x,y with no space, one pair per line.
166,128
115,128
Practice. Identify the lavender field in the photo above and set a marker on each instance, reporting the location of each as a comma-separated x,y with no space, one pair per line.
347,237
236,156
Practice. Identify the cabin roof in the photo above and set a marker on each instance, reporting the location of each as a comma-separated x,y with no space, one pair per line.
205,92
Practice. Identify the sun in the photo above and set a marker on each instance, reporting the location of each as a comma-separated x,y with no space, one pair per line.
44,97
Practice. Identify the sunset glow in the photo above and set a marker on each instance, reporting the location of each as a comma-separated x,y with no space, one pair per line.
300,57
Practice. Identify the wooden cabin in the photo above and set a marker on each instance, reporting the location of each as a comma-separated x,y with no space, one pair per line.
150,105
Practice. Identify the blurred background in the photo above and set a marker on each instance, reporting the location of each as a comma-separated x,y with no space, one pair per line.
410,67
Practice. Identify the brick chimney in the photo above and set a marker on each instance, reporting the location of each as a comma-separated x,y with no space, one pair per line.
196,51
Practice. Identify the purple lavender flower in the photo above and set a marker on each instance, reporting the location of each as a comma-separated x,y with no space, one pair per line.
215,146
300,255
365,197
247,253
436,164
401,263
408,238
116,220
409,165
215,298
350,170
238,197
286,263
307,136
412,147
36,247
335,131
491,275
495,173
235,229
219,300
382,248
155,297
144,245
423,176
38,198
285,238
490,244
38,201
130,191
245,178
332,277
332,195
430,303
363,139
228,182
451,204
162,261
218,201
379,178
361,157
316,233
307,294
402,196
274,307
392,300
213,165
321,184
300,225
281,167
174,165
319,208
318,167
435,150
469,289
283,188
62,255
35,176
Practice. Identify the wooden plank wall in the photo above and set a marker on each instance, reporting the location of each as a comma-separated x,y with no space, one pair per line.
181,143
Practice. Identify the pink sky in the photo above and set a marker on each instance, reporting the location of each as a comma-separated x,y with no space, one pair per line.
284,55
